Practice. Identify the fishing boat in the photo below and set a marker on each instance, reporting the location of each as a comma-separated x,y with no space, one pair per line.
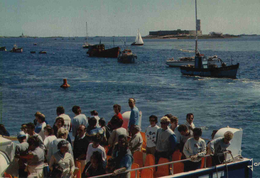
138,40
100,51
202,65
182,61
86,44
126,56
3,48
16,50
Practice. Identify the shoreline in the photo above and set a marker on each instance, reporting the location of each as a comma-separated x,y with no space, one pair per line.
190,37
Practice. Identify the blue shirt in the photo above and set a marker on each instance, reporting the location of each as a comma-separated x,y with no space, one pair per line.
78,120
134,117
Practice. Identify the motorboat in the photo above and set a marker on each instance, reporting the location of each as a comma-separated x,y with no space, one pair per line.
3,48
16,50
126,56
100,51
203,67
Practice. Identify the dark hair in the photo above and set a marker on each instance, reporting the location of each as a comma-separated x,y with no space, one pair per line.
155,117
117,106
174,119
94,113
96,138
197,132
3,129
169,115
115,121
76,109
60,118
92,121
49,129
40,116
132,99
97,156
102,122
182,128
33,140
189,114
62,143
60,110
31,125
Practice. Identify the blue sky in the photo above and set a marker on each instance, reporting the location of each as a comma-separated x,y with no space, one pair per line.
124,17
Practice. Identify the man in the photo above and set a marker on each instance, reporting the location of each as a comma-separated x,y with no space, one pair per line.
31,132
219,145
136,141
189,123
61,113
165,140
79,119
185,134
94,114
174,126
81,143
134,116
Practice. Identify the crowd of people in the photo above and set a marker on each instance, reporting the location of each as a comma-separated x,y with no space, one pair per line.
95,141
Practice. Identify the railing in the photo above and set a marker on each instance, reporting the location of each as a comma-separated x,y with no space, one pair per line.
157,165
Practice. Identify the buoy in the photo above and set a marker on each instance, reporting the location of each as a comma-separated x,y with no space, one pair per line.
65,84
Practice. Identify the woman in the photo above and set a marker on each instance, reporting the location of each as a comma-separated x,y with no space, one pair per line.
59,122
39,128
194,148
94,167
64,159
49,136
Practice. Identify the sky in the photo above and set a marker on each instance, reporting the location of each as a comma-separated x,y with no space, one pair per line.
124,17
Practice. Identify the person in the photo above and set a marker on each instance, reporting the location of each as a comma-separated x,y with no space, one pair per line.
117,110
3,130
136,141
189,122
195,149
39,128
95,146
60,111
35,158
79,119
31,132
134,116
218,146
94,167
123,157
94,114
103,126
93,130
81,143
165,140
49,137
185,135
116,124
150,133
61,135
174,126
64,159
59,123
21,149
24,129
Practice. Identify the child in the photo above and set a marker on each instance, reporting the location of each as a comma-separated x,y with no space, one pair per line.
151,133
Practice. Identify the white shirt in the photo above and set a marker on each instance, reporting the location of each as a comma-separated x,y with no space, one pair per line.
48,140
67,121
91,149
193,147
150,134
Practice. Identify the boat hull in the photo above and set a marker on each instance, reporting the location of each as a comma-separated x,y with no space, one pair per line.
221,72
17,50
127,59
136,44
109,53
179,63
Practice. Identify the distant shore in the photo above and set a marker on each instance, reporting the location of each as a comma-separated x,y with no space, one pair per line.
190,37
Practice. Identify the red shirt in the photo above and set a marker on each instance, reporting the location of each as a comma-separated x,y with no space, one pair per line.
119,115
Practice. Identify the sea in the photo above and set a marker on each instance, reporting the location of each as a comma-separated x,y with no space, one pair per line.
31,82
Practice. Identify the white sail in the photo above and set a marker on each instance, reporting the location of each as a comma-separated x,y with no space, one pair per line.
138,39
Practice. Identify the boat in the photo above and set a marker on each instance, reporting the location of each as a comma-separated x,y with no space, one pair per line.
182,61
86,44
32,52
3,48
42,52
16,50
126,56
138,40
202,66
100,51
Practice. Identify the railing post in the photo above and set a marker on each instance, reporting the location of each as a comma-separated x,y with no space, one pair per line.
136,174
172,169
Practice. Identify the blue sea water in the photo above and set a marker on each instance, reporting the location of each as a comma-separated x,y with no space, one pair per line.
31,82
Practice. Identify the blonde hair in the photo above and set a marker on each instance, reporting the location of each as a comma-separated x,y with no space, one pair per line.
228,135
62,132
165,119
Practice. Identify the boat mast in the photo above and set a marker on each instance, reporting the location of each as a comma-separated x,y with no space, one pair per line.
196,41
87,31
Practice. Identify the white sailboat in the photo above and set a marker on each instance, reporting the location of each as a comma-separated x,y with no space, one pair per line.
86,45
138,39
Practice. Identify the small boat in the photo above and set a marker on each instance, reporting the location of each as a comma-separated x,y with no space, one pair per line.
42,52
16,50
126,56
182,61
3,48
100,51
32,52
86,45
35,44
138,40
202,66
